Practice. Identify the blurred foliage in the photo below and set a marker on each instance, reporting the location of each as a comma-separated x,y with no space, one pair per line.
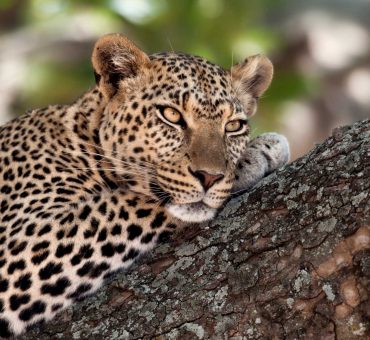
224,31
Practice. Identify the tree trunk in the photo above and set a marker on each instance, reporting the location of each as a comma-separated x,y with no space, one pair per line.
288,260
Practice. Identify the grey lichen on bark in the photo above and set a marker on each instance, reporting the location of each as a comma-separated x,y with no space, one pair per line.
288,260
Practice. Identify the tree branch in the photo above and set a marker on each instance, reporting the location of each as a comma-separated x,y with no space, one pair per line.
290,259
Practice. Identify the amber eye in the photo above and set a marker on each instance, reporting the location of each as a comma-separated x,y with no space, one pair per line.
236,126
172,115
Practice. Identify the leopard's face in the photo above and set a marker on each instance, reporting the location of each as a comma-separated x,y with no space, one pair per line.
175,128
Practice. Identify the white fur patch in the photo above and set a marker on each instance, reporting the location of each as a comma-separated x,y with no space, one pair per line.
193,212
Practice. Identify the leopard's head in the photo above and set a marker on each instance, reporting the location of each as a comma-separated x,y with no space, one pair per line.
175,125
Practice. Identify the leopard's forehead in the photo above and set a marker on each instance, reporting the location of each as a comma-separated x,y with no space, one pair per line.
207,83
188,62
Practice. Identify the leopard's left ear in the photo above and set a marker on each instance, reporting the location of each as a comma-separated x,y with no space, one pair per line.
114,59
252,77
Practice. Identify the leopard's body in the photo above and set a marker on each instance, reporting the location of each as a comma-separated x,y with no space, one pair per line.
85,189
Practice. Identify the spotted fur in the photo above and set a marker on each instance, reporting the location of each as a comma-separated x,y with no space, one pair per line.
86,188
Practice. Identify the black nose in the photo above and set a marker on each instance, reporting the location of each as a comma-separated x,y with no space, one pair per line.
206,179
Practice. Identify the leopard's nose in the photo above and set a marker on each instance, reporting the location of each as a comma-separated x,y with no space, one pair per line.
206,179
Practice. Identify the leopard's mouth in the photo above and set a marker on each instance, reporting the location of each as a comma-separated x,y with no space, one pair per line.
196,212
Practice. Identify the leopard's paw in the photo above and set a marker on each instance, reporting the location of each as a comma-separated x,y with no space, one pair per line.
274,148
264,154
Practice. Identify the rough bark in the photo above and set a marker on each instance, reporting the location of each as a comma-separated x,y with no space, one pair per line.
288,260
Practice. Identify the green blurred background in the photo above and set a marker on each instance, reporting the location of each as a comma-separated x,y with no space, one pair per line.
320,50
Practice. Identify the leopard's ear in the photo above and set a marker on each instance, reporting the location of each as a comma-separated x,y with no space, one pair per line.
251,78
116,58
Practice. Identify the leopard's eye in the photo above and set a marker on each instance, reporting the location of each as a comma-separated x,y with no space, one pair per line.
171,116
236,127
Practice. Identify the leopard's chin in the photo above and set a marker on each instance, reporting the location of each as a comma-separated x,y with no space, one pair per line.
192,212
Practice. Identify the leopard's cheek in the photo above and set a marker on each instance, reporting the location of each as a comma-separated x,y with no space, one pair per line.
163,144
236,146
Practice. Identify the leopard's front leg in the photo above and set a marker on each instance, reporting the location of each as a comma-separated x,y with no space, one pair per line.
264,154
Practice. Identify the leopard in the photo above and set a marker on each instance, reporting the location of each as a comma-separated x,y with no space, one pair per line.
159,143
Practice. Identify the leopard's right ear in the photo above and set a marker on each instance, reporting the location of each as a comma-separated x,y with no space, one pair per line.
251,78
114,59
